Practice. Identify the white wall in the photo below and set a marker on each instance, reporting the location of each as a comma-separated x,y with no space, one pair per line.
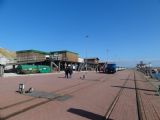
3,60
81,60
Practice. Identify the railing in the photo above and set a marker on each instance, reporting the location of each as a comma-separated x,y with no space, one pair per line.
33,58
56,57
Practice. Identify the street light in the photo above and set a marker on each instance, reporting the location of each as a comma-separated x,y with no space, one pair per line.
86,54
107,52
86,65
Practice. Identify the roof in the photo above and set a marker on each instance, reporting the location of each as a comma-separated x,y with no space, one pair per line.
63,51
94,58
102,62
35,51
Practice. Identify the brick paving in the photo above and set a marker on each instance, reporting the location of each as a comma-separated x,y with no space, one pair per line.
126,108
149,98
90,98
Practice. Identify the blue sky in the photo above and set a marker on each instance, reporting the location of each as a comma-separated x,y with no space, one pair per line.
126,31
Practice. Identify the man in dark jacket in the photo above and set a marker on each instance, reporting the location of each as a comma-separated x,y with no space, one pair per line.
66,72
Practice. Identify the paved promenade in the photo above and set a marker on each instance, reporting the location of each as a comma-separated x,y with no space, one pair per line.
125,95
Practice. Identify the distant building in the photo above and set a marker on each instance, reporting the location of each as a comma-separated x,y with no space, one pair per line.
94,60
91,63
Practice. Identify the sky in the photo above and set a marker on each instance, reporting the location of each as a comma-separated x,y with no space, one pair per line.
122,31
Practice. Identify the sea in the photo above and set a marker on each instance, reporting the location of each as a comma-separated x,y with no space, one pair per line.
156,76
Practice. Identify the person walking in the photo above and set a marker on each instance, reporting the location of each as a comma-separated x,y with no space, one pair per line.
70,71
66,72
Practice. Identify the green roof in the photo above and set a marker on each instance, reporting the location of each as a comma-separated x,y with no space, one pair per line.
35,51
94,58
62,51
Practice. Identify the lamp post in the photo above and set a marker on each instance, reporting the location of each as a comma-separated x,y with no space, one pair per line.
107,51
86,54
85,61
150,69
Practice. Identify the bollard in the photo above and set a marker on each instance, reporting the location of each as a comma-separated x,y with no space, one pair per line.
21,88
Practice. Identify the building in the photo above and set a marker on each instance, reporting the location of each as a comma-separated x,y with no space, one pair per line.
91,63
65,55
57,60
94,60
64,58
31,56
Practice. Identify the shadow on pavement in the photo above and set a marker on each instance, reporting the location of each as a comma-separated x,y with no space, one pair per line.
86,114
